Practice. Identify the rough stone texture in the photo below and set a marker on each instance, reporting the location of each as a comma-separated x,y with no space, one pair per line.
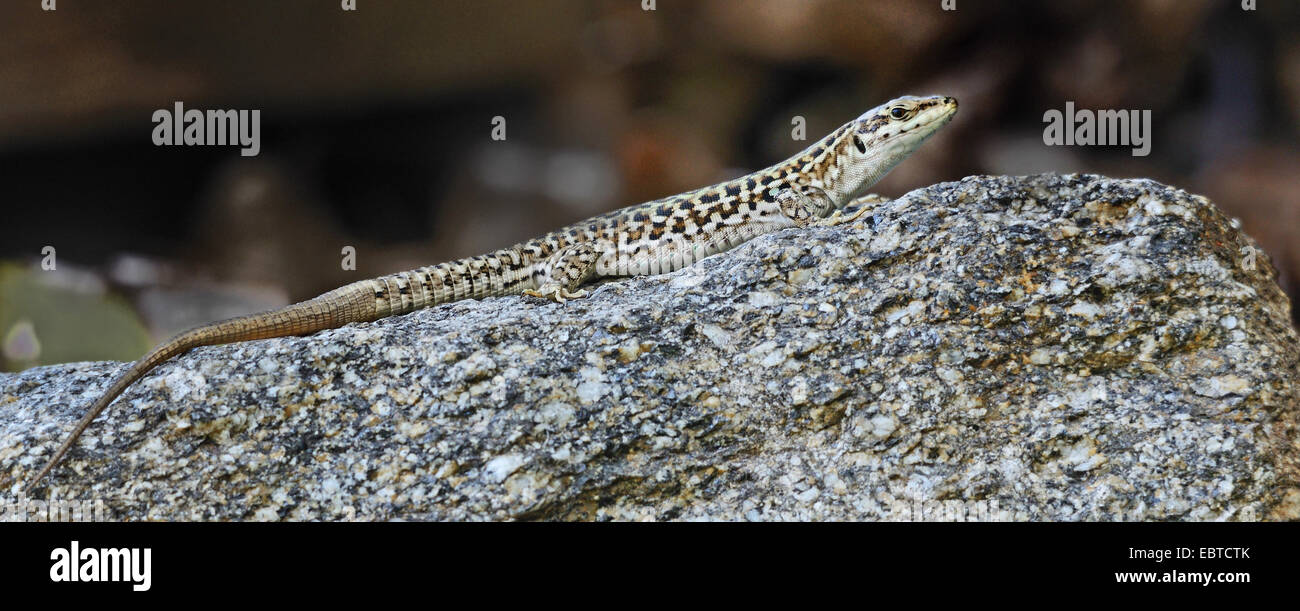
1050,348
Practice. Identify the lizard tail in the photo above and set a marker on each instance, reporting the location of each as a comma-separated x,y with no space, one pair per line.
352,303
500,273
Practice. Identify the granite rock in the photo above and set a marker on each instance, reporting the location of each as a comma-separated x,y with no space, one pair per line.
1007,348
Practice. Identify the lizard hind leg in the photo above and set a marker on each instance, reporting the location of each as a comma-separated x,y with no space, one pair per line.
565,271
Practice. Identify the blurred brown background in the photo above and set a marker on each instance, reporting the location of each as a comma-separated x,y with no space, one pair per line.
375,128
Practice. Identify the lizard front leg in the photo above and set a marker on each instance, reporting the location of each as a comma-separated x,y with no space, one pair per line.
564,271
804,204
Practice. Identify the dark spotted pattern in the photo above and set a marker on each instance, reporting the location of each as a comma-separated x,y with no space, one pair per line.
713,218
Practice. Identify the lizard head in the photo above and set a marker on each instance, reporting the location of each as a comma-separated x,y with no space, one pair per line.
875,142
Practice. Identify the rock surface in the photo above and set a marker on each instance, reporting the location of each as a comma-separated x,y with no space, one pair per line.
1034,348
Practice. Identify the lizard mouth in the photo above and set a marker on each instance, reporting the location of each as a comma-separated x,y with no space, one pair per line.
950,109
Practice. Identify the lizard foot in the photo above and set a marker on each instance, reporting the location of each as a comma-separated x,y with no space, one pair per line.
863,204
556,292
840,219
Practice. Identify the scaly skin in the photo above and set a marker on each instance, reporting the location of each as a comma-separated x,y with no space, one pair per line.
655,237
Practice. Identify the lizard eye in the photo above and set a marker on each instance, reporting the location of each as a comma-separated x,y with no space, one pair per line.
862,146
898,112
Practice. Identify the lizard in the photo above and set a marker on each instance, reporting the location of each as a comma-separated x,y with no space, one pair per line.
655,237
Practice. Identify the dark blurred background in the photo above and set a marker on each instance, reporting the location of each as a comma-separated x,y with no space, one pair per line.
376,127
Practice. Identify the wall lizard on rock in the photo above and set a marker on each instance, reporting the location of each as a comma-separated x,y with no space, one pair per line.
655,237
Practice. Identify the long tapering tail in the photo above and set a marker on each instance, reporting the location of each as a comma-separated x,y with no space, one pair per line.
500,273
352,303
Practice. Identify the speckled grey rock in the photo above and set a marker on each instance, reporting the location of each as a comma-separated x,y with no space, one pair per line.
1041,348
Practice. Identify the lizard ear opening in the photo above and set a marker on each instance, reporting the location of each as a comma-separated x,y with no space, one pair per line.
862,146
